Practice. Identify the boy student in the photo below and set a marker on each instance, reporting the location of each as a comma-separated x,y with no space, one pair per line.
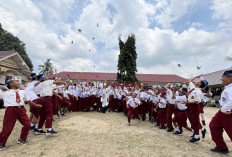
46,89
14,103
223,118
132,105
195,97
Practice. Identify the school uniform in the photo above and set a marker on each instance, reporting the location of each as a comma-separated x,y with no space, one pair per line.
46,89
14,103
180,116
105,104
194,95
133,108
161,113
142,107
222,121
154,100
170,109
34,98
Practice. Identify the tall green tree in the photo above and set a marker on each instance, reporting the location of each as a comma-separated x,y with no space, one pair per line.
9,42
46,68
127,66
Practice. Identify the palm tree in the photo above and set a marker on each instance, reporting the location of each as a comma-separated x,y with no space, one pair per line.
46,68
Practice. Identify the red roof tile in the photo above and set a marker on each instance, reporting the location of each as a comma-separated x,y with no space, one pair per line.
113,76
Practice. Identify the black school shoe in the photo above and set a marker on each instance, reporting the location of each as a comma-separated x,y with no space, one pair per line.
52,132
203,133
217,150
22,142
203,122
170,129
40,132
32,127
194,140
177,133
2,147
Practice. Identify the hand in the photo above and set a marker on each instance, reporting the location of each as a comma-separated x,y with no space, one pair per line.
60,97
38,105
227,112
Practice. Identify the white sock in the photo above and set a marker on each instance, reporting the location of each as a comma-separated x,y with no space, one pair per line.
177,129
202,129
59,112
196,136
49,129
40,129
202,116
32,125
36,126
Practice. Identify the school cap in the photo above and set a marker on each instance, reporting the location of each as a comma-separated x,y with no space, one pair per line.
228,73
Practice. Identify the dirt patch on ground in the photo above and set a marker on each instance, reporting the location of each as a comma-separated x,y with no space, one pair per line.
105,135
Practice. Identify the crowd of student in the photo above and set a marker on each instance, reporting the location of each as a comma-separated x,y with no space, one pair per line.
167,107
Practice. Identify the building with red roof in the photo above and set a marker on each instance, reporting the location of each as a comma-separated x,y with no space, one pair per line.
149,79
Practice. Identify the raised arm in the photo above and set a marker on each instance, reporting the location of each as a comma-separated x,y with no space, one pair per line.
192,79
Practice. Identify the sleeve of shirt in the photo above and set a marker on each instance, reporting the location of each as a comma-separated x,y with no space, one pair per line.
26,97
191,85
51,82
228,105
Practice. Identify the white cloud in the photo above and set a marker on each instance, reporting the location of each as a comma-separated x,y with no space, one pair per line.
48,32
222,11
171,11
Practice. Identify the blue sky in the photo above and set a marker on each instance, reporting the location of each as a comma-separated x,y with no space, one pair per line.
168,32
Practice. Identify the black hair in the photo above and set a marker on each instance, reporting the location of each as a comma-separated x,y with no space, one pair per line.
39,76
202,85
33,76
8,84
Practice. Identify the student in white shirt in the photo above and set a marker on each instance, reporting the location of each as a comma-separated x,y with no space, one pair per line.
46,89
132,105
223,118
180,116
14,102
105,103
162,111
195,97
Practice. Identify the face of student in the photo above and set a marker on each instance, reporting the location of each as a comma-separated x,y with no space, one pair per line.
198,84
45,78
15,84
134,95
226,80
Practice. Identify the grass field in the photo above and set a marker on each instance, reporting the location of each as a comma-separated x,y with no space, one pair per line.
105,135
